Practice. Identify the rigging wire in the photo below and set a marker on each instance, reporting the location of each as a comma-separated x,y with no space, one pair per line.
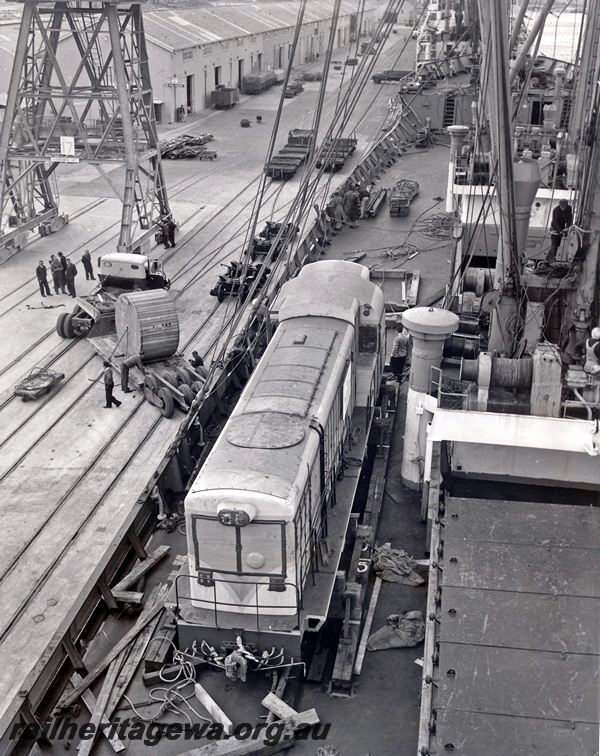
336,127
308,188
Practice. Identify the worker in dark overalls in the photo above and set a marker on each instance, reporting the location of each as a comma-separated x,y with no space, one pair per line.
134,361
171,227
562,219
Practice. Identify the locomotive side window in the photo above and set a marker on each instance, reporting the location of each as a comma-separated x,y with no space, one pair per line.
347,390
367,339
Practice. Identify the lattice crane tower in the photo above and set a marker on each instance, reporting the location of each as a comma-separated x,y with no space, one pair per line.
79,93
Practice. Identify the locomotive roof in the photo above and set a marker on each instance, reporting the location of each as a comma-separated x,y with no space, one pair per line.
337,290
264,441
295,383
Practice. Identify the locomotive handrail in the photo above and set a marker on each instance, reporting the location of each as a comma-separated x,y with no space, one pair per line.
216,606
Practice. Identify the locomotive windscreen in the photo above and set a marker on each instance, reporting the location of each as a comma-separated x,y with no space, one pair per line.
256,549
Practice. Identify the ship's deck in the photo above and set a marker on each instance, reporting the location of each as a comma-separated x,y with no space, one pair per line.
71,473
518,641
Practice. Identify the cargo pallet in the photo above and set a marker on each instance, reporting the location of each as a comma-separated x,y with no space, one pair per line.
401,195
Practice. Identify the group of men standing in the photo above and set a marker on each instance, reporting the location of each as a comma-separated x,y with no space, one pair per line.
63,272
347,207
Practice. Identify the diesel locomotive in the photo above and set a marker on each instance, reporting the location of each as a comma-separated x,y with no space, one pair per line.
267,514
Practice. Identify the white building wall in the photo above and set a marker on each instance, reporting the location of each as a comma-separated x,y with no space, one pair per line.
257,52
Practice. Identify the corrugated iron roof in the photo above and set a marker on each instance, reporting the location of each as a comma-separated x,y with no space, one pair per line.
185,27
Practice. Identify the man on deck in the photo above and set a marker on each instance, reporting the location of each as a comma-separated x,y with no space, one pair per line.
399,352
562,219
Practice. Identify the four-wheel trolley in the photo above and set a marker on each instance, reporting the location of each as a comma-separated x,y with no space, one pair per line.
39,381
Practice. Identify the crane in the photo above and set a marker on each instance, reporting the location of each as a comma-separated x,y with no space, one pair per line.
79,92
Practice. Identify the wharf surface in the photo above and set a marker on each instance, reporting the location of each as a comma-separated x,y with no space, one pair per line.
72,474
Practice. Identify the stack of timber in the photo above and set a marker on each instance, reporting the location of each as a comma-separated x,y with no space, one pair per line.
120,665
334,153
185,146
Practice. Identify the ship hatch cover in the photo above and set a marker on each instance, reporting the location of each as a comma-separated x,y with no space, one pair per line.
266,431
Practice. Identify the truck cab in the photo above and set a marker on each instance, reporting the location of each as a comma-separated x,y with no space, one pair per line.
390,75
118,273
120,270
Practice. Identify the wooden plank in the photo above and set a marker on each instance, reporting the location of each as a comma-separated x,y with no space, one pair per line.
85,746
158,652
89,699
142,568
413,289
245,747
344,660
279,688
213,708
128,597
278,707
317,665
134,656
362,647
71,697
308,717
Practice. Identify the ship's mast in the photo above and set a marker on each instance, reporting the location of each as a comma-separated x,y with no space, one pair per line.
531,38
517,24
494,38
583,122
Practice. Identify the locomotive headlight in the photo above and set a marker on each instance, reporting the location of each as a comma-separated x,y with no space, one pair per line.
255,560
238,515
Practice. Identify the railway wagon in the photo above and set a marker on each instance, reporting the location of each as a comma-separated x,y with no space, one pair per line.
264,504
